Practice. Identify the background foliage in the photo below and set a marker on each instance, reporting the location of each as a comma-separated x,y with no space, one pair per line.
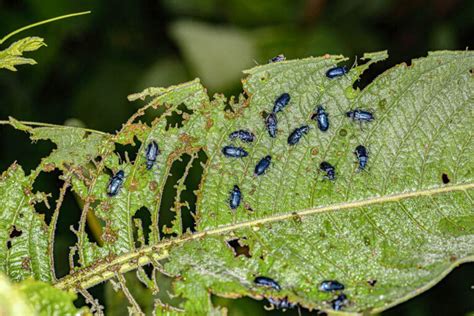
92,63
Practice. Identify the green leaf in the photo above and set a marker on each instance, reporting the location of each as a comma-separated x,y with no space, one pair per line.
13,55
387,233
35,298
23,232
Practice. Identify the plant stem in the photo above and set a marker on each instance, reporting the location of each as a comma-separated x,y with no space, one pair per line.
6,122
42,22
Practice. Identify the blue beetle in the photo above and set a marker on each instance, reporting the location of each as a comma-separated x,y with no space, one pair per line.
339,302
296,135
235,197
267,282
336,72
329,169
152,151
243,135
277,58
362,157
330,286
281,102
115,183
271,123
234,152
281,303
360,115
322,118
262,165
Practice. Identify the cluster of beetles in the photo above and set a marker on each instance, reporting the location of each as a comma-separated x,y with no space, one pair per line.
271,123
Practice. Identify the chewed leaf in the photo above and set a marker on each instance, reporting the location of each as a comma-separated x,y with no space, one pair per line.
13,55
23,232
387,222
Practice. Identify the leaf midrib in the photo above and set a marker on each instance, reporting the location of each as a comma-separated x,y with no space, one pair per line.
130,261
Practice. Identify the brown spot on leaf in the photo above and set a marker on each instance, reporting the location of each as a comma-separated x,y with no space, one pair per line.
209,123
133,185
109,235
48,167
25,263
248,207
153,185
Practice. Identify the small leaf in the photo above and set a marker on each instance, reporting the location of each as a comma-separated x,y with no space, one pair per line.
12,56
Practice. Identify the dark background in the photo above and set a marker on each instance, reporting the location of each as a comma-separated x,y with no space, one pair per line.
93,62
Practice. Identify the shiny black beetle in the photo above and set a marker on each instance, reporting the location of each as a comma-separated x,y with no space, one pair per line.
329,169
277,58
360,115
297,134
322,118
234,152
281,303
115,183
330,286
339,302
362,157
235,197
152,151
281,102
336,72
243,135
267,282
262,165
271,123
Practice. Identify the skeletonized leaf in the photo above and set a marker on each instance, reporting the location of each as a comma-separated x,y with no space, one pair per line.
23,232
13,55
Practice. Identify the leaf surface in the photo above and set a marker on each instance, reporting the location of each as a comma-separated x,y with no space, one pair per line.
387,233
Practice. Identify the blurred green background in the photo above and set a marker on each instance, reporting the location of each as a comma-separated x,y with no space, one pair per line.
93,62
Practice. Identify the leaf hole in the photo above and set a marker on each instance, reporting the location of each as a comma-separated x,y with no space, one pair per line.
192,183
238,248
47,182
370,74
372,282
69,216
178,204
86,134
445,178
142,221
128,153
177,118
15,232
97,292
26,156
